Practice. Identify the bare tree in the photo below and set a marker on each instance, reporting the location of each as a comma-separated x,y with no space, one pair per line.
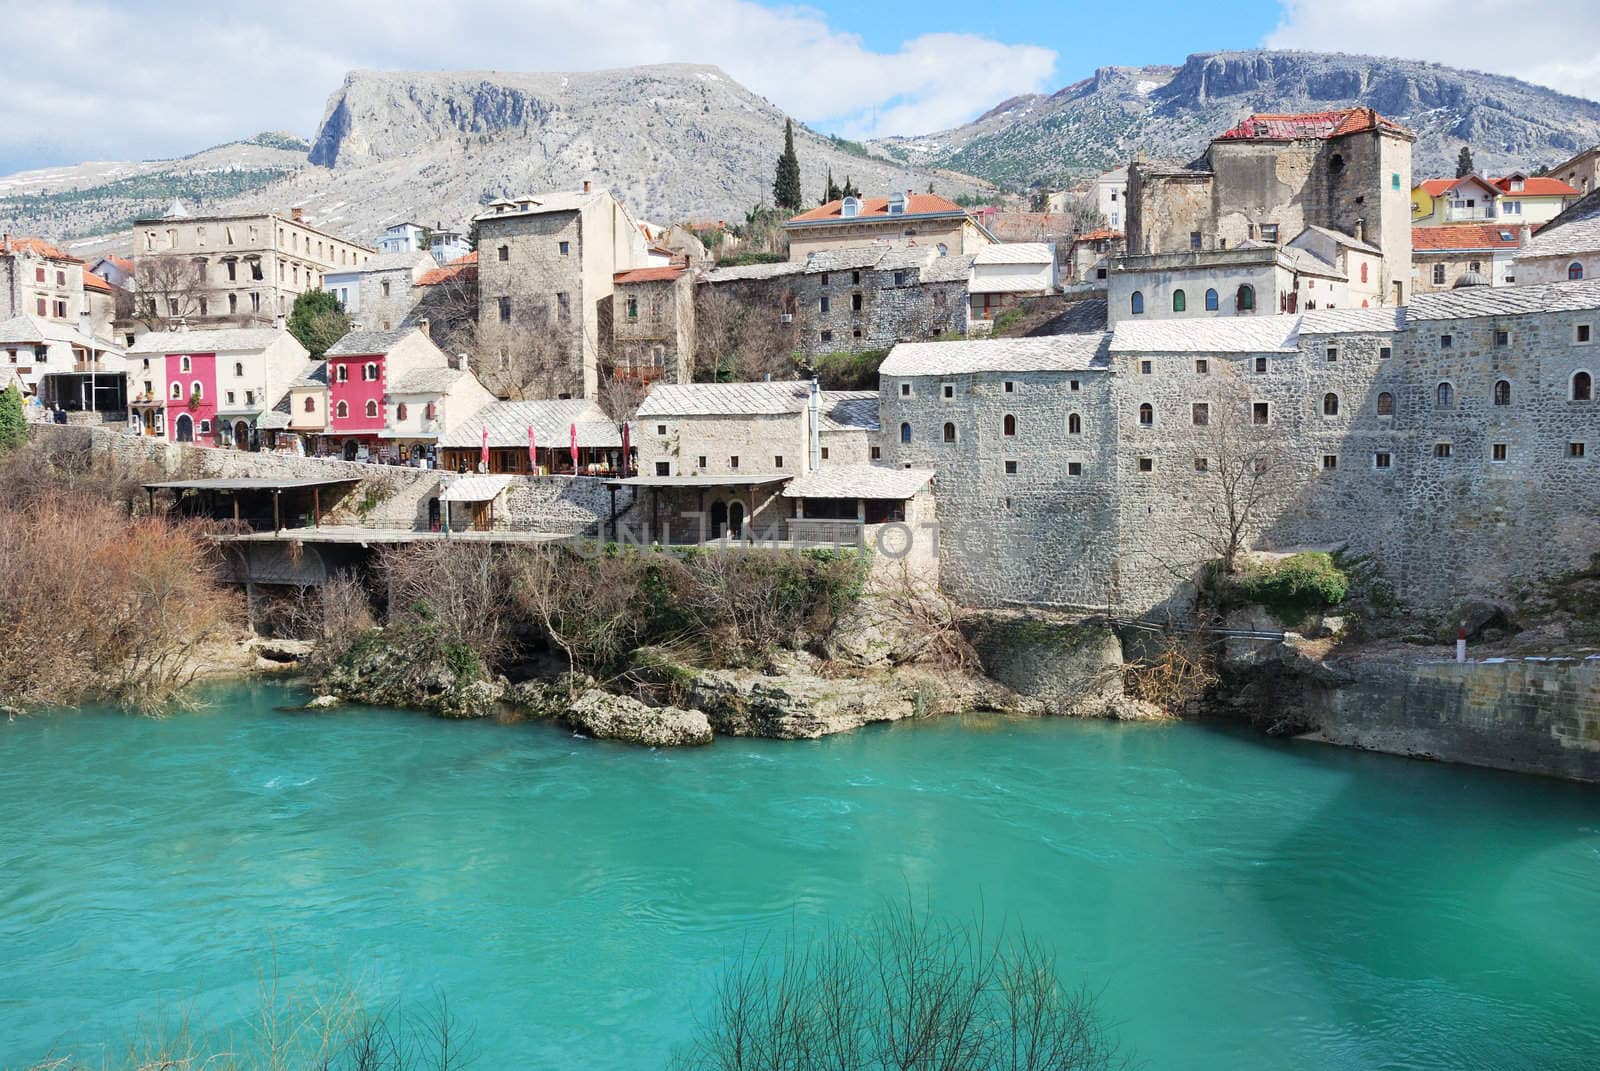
458,588
170,287
451,309
740,334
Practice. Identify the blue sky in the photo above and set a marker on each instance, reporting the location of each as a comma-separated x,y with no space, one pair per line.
861,69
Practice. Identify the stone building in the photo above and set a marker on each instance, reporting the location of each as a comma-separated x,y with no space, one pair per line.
545,269
652,325
382,292
1441,257
900,220
1003,274
1089,256
1567,248
1272,176
1252,280
242,268
1452,441
1582,172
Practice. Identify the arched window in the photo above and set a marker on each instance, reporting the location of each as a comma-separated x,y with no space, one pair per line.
1074,424
343,410
505,252
1010,424
1147,415
949,433
177,390
1211,301
370,373
238,369
197,389
372,408
1444,396
1582,387
1574,270
1502,392
344,373
400,411
1180,302
1247,298
1363,271
1136,303
1386,404
311,403
183,364
1330,404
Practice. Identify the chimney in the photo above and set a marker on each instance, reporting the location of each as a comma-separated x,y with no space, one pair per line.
425,327
814,414
1524,232
297,214
1361,230
278,323
585,185
461,358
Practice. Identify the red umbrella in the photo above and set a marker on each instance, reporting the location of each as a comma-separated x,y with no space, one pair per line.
483,455
574,449
624,450
533,459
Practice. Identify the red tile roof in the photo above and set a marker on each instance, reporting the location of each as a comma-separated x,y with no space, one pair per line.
876,208
1463,236
91,281
1096,235
1435,187
37,246
122,264
462,267
1536,186
649,275
1309,125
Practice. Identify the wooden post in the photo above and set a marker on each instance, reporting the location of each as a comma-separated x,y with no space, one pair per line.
277,515
750,516
316,507
236,512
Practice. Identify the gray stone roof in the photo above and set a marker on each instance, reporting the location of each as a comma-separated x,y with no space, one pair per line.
910,257
1577,230
1051,353
219,340
1352,321
475,488
724,399
540,203
363,343
1232,334
849,410
1348,241
746,272
552,422
858,481
426,381
316,375
951,269
850,257
392,262
1505,301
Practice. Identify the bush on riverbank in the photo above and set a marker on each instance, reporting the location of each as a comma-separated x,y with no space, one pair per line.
1297,586
99,606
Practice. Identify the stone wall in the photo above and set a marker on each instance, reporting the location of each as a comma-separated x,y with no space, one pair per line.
871,309
542,348
1537,716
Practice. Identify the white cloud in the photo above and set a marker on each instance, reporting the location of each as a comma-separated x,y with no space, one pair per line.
153,80
1553,44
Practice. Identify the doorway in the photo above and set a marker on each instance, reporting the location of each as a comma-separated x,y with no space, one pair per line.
480,516
736,519
350,448
183,430
719,519
241,435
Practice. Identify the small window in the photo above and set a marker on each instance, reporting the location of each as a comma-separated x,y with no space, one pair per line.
1072,384
504,306
1202,464
1442,450
777,459
1444,396
1010,425
372,408
1194,240
1260,413
177,390
1385,404
824,455
1136,303
311,403
1246,298
1201,366
1200,413
1011,468
949,432
1074,468
1145,368
1502,337
663,468
1576,449
877,452
565,247
1385,352
823,303
1211,301
949,390
370,373
1582,387
661,429
400,411
1574,271
1180,302
1147,464
505,252
905,433
183,364
1074,424
1269,232
733,461
238,369
1261,366
1382,460
1330,462
1147,415
1010,387
1497,452
1438,275
1332,354
905,390
229,397
855,302
342,409
1447,342
1330,404
1581,334
1502,392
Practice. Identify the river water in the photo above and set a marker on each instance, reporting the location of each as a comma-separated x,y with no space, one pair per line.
1238,903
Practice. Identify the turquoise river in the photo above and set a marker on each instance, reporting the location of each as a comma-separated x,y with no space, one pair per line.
1238,903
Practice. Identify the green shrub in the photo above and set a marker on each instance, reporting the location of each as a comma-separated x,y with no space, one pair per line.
1299,585
740,259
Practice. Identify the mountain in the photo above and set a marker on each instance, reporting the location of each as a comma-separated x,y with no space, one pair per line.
1103,121
673,142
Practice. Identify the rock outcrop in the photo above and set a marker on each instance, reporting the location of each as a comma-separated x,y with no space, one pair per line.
411,667
607,716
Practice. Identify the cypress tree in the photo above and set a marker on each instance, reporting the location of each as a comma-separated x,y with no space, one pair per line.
13,424
786,185
1464,162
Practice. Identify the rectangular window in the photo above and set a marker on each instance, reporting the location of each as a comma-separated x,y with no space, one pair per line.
1446,341
1385,352
1011,468
38,275
1202,366
1332,354
1442,450
1194,239
1394,180
1260,413
877,452
564,305
826,336
949,391
1147,464
1502,338
1074,468
661,429
1145,368
1010,387
1330,462
505,309
1381,460
824,278
1202,464
824,453
230,397
663,468
1497,452
566,247
823,303
733,462
855,302
1583,333
700,462
1269,232
855,278
1201,414
1072,385
777,461
1576,449
1261,366
905,390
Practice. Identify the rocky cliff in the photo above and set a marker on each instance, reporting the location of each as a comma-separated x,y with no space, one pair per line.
1173,112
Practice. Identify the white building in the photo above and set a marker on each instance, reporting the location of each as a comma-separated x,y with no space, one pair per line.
1003,274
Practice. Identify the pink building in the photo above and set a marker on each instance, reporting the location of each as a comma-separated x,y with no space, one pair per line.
209,387
393,392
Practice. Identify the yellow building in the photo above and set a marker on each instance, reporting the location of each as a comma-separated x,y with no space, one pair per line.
1515,198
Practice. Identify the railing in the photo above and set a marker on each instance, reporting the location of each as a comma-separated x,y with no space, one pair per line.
813,530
